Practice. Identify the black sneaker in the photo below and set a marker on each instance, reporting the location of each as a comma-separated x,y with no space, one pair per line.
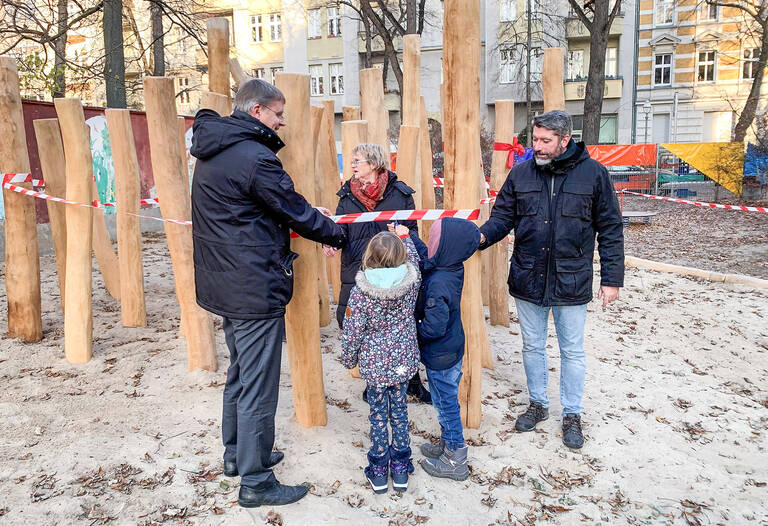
572,435
527,421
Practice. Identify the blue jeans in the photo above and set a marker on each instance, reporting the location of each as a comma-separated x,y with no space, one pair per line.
388,405
444,387
569,324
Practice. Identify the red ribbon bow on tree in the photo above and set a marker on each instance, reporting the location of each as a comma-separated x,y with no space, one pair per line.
514,148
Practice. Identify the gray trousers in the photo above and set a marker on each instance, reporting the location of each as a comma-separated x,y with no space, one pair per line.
250,396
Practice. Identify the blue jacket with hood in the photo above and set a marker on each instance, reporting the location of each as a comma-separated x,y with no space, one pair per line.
438,313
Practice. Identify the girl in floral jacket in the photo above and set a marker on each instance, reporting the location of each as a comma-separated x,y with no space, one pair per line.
379,335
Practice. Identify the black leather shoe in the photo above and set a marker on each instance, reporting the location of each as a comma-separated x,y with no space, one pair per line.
230,468
275,495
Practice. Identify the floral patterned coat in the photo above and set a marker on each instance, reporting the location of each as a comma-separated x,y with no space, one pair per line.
380,329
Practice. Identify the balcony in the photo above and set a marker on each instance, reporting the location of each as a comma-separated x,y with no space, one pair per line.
377,45
575,29
575,89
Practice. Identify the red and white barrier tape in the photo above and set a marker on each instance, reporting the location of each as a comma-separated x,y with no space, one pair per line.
697,203
22,178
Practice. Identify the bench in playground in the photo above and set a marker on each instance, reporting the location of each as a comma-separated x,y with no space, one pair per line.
645,217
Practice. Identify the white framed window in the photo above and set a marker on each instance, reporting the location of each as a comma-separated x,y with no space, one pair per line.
506,66
316,80
662,69
705,72
314,24
575,64
537,63
275,30
274,71
665,12
336,74
611,62
182,83
260,73
507,10
257,30
334,21
181,40
750,59
709,11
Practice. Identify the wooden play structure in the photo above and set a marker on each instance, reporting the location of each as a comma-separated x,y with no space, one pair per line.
79,231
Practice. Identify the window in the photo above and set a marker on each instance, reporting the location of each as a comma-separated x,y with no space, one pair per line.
506,66
260,73
314,24
665,10
275,33
181,42
334,21
749,69
662,70
611,62
274,71
709,12
507,10
535,10
336,72
608,128
537,63
257,31
316,80
706,69
576,64
183,86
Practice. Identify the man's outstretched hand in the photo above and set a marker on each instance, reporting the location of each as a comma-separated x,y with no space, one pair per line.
608,294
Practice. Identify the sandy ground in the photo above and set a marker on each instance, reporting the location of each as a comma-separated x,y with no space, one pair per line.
676,422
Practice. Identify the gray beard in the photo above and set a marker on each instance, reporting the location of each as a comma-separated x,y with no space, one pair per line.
541,162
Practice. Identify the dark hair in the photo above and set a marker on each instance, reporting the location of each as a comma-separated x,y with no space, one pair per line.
556,120
256,91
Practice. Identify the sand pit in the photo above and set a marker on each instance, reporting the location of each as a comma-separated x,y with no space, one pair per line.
676,421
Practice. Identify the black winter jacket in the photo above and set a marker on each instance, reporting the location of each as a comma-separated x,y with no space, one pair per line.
397,196
555,211
438,312
243,207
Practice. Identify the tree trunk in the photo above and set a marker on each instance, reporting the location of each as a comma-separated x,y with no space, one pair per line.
411,16
593,96
748,113
529,110
60,50
158,50
114,65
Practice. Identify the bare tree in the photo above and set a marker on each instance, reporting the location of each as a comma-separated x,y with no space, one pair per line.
597,16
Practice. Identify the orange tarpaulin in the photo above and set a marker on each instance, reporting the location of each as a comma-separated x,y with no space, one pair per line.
624,154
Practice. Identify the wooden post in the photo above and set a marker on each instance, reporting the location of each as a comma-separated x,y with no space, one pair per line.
216,102
132,304
407,158
485,213
552,79
238,75
427,177
373,110
316,115
78,313
173,191
54,173
498,300
218,58
301,315
350,113
109,267
22,267
461,129
329,171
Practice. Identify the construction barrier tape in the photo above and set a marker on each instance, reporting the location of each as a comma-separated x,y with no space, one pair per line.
697,203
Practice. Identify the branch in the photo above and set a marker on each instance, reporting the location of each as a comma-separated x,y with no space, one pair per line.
582,16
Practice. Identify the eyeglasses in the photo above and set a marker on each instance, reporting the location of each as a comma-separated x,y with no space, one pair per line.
279,116
356,162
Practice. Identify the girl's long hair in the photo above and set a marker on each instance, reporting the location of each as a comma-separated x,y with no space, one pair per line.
384,250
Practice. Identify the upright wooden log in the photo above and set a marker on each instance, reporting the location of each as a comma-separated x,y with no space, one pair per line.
485,214
425,162
22,267
78,313
132,303
316,118
372,106
411,79
352,134
498,293
350,113
218,58
408,157
238,75
53,166
216,102
552,79
173,191
301,315
329,171
461,130
106,257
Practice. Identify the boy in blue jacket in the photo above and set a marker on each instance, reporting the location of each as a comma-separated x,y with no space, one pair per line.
441,340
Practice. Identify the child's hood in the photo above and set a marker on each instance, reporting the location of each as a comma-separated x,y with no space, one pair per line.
397,291
459,239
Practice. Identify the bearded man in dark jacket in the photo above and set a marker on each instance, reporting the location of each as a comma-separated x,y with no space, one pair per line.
243,208
557,203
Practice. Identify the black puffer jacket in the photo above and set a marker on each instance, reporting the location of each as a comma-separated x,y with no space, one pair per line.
555,211
397,196
243,207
